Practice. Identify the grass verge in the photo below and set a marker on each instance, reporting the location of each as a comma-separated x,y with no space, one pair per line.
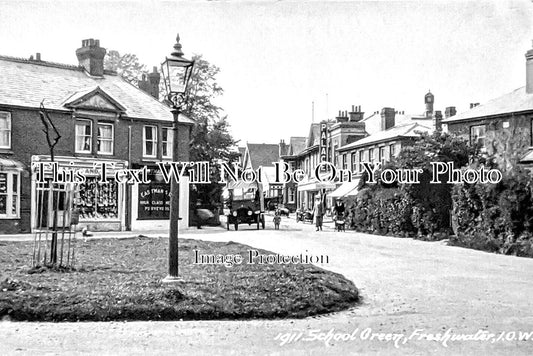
120,279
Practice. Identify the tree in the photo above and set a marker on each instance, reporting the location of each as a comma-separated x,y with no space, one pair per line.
210,138
432,203
127,66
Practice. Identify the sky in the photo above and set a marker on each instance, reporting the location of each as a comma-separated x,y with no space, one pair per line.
278,57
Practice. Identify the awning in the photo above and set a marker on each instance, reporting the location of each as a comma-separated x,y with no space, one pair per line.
346,189
315,185
240,184
7,164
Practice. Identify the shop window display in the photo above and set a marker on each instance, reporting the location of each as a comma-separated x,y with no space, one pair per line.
98,200
9,194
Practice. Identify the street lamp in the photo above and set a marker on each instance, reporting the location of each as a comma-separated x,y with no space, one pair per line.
176,75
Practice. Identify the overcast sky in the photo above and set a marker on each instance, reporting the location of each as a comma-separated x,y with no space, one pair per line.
277,57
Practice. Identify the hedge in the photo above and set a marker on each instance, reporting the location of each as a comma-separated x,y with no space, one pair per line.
495,217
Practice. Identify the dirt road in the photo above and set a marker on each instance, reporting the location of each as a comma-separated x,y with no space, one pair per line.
418,297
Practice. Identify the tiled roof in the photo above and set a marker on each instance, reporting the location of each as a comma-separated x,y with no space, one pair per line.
515,101
263,154
297,145
373,122
26,83
405,130
314,135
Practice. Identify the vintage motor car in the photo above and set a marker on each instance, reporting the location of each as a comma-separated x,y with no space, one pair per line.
243,204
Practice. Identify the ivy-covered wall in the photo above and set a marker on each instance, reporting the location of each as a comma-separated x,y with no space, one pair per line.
507,137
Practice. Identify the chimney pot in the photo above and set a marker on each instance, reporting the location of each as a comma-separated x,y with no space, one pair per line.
91,57
438,120
387,118
150,83
450,111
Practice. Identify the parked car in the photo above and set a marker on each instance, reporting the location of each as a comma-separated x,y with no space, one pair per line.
243,203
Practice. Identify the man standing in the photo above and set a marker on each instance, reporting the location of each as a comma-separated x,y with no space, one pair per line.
318,212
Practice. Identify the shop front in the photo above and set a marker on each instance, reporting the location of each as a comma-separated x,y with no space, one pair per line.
101,205
308,189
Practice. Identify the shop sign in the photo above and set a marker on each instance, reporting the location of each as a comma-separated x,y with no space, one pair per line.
154,201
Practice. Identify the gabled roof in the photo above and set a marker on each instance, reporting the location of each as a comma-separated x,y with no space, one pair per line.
296,145
27,83
516,101
262,154
395,132
94,97
314,135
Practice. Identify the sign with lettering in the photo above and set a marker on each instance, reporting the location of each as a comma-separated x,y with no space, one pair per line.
154,201
323,142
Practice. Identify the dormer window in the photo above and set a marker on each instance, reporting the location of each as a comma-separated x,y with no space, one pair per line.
5,129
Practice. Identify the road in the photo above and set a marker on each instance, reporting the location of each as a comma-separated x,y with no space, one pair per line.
415,294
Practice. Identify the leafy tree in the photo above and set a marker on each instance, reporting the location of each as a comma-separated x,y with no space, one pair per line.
429,204
432,203
210,137
127,66
436,147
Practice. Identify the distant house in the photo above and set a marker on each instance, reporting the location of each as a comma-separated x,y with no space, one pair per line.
290,189
388,131
322,143
101,119
264,155
503,127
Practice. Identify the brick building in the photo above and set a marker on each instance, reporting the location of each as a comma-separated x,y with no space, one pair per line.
101,119
387,131
321,144
503,127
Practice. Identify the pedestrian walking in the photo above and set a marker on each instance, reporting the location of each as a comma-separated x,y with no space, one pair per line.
339,216
318,212
277,219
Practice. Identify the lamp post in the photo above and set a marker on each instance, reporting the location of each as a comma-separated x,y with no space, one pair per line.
176,75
